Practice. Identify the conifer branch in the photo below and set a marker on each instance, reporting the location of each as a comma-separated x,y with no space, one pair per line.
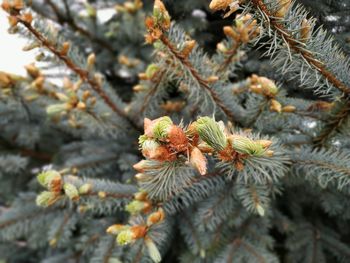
227,183
196,75
326,165
239,242
38,155
29,216
333,123
94,162
70,21
160,76
295,45
109,251
82,73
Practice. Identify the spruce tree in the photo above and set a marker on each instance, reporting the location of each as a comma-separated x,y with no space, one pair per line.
183,131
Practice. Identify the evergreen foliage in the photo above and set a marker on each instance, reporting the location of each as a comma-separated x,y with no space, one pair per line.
133,139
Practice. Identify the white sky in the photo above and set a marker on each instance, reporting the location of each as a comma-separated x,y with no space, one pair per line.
12,58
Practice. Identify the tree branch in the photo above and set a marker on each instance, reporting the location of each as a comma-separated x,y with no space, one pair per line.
295,46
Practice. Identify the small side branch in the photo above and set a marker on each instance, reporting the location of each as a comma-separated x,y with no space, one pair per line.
333,124
294,45
202,82
70,21
82,73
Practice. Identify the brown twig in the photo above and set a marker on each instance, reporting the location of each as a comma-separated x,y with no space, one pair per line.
113,195
109,251
295,45
70,21
82,73
333,124
202,82
230,55
153,90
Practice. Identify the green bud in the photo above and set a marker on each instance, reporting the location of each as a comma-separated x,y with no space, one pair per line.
160,129
151,70
116,229
260,210
85,189
161,15
211,133
153,251
55,109
273,89
149,145
158,44
135,207
125,237
46,177
71,191
142,139
45,199
245,145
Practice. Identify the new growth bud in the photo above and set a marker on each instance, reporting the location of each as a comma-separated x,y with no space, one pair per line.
71,191
188,47
275,106
136,206
116,229
198,160
217,5
247,146
46,177
211,133
91,60
151,71
85,189
155,217
46,199
283,8
161,15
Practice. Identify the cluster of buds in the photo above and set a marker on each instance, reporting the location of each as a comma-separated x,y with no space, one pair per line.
129,234
228,147
72,99
276,106
164,141
233,6
53,182
158,23
130,7
127,61
14,8
38,81
268,88
245,29
263,86
56,188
